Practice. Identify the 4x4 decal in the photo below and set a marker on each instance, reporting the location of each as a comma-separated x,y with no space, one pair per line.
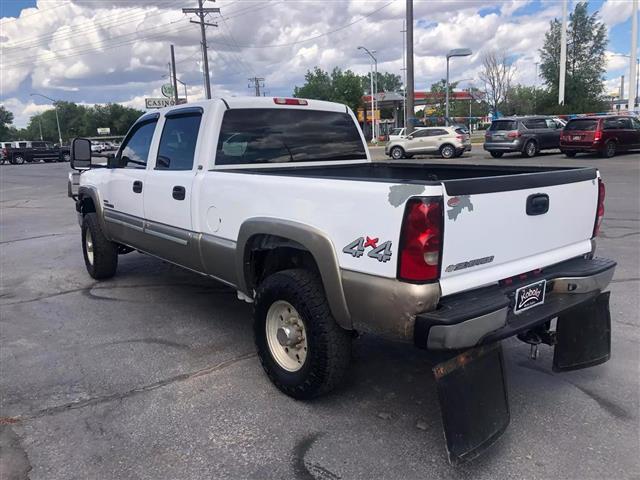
381,252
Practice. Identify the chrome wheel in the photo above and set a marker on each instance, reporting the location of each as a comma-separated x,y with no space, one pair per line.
611,149
396,153
447,151
66,157
286,336
88,245
531,149
18,160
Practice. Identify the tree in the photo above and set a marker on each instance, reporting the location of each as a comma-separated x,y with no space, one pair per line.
496,74
6,120
525,100
338,86
387,82
586,44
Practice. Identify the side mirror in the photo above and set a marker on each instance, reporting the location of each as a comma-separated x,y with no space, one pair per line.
410,137
80,154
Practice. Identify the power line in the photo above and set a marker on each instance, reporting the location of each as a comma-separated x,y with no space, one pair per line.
93,49
100,46
9,20
110,20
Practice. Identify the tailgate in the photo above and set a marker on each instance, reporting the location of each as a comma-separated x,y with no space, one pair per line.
489,235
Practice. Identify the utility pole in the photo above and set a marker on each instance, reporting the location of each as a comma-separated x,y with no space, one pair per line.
256,84
40,123
621,92
202,13
633,72
563,54
409,86
173,71
404,75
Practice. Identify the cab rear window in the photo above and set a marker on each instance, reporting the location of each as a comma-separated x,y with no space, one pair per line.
582,125
280,135
504,125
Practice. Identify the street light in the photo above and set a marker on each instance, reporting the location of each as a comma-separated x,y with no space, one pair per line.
373,110
456,52
635,100
55,107
181,83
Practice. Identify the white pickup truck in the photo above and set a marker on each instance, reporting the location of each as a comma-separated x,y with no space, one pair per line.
279,198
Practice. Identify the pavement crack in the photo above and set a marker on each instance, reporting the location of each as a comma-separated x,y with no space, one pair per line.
617,237
135,391
34,237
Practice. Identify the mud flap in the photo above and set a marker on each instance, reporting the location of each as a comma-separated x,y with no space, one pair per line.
583,336
473,400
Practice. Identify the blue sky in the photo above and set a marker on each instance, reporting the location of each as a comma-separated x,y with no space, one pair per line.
98,51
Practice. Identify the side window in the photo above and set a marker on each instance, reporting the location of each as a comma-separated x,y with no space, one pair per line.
135,148
610,124
421,133
624,123
178,142
438,132
636,123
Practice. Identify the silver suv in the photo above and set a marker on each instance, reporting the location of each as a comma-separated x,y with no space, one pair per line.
526,135
448,142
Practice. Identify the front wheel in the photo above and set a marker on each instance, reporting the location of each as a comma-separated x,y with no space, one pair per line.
302,349
397,153
100,254
447,151
496,154
18,160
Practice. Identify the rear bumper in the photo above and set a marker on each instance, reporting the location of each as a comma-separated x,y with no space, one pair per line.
486,315
515,146
592,147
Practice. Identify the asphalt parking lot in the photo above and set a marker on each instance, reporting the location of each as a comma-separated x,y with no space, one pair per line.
152,374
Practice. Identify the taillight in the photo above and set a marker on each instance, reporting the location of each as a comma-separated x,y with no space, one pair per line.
514,134
597,136
421,240
460,137
290,101
600,209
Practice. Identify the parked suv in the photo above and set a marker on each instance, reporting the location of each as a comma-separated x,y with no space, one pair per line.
527,135
602,135
449,142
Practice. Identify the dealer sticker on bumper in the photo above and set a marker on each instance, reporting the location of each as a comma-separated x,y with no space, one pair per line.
529,296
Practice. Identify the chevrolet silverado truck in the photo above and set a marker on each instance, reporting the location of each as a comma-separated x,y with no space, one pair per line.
279,199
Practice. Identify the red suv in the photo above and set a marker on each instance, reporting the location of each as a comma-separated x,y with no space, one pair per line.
604,135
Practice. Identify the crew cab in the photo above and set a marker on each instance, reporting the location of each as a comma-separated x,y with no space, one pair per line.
34,151
279,199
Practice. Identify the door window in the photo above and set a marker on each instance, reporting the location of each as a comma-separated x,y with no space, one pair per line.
421,133
135,148
535,123
178,142
625,123
636,123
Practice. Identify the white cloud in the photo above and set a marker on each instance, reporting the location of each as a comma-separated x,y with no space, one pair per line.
614,12
91,51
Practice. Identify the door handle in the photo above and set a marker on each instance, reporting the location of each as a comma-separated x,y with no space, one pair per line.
137,186
178,192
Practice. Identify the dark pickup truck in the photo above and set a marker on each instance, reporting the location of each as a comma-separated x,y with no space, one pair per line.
33,151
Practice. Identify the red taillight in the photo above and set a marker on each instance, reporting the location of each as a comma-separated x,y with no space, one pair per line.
460,137
421,240
514,134
597,136
600,209
290,101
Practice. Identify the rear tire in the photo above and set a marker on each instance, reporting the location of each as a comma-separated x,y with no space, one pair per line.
496,154
295,300
447,151
397,153
17,160
609,150
100,254
530,149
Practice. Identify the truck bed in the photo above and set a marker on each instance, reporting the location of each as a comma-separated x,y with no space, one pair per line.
458,179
